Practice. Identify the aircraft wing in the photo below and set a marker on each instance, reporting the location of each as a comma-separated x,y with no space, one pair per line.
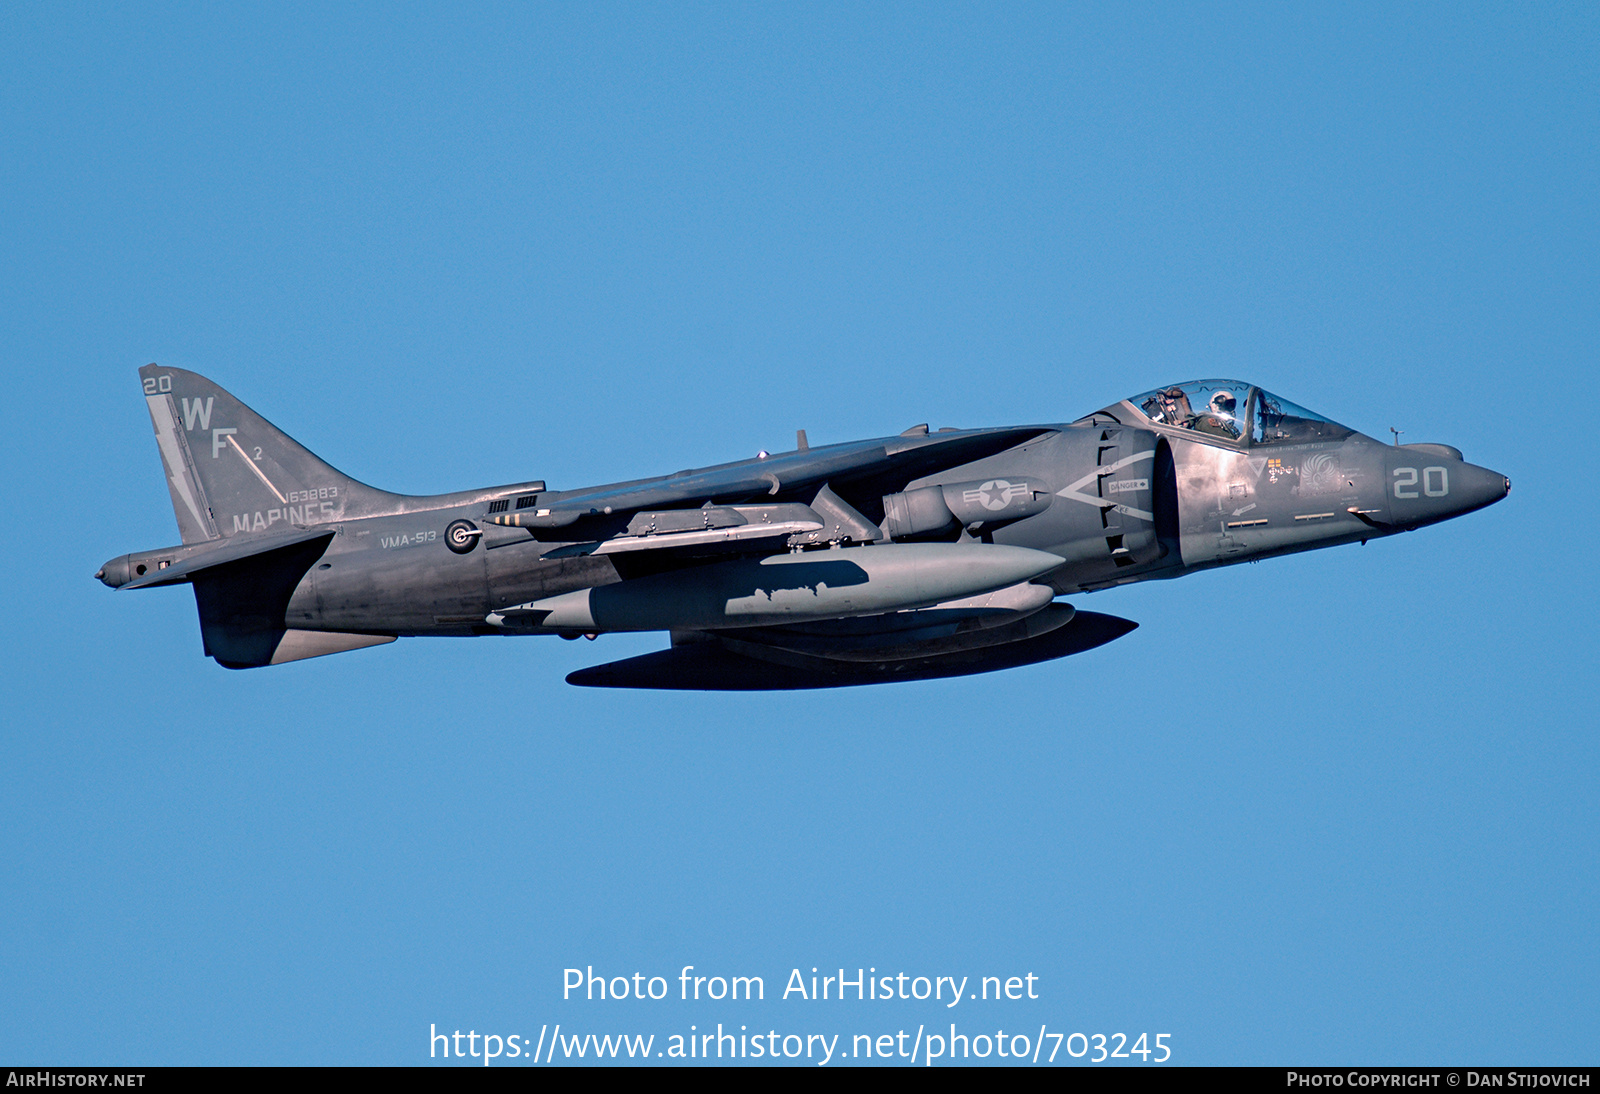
789,475
735,661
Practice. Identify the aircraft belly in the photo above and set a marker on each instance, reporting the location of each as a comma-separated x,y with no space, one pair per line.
398,576
400,588
519,580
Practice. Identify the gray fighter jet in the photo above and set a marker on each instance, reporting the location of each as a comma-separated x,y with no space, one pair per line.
898,558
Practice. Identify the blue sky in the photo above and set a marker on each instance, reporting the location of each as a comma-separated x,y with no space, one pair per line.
1337,808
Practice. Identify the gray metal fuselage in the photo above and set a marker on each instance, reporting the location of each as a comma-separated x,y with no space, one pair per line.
277,542
393,574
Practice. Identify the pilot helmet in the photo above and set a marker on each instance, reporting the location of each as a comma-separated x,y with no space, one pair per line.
1223,402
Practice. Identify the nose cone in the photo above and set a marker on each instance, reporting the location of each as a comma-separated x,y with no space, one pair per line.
1479,487
1425,488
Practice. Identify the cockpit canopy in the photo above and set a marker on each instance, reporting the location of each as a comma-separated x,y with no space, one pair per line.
1237,412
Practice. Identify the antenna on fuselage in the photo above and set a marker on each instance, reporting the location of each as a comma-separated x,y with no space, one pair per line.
1396,433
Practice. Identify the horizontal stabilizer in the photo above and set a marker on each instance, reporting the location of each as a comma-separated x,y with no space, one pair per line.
181,563
299,645
709,666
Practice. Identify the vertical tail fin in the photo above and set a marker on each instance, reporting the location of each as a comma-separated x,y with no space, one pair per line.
231,472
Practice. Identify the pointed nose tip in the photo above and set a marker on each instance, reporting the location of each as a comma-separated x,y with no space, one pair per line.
1479,487
1438,486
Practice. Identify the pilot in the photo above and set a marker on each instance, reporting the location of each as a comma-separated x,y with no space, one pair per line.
1170,406
1218,419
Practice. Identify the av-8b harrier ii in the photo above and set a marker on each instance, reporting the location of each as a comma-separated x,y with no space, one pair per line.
922,555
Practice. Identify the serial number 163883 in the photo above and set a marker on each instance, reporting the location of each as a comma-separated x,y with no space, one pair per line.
315,494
